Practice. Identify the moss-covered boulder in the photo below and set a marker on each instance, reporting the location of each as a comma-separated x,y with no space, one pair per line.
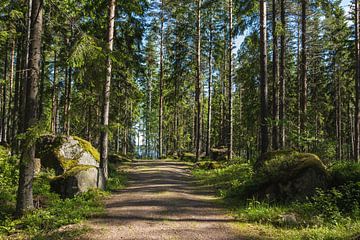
75,161
77,180
219,154
289,175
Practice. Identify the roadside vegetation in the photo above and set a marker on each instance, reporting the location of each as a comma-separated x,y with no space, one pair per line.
331,213
51,212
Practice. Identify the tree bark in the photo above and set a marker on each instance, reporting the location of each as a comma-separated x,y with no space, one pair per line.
230,143
264,141
11,85
198,81
4,101
303,67
282,75
54,98
104,141
275,130
161,83
209,117
357,81
24,201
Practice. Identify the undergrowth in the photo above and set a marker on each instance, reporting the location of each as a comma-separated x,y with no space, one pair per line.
333,213
51,212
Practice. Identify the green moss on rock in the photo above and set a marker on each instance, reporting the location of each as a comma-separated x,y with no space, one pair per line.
87,146
288,175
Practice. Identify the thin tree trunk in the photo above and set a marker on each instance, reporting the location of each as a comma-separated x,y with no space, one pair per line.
161,83
42,86
15,114
303,70
208,136
11,83
357,82
54,101
67,102
4,102
104,141
275,130
230,143
282,75
24,200
264,141
338,114
198,81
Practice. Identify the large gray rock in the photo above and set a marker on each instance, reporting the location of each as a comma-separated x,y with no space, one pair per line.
75,161
78,180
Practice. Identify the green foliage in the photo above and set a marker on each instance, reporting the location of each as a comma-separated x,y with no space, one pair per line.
225,179
58,213
344,172
208,165
117,179
9,173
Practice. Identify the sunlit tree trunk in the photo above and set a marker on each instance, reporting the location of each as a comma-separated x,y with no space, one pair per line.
230,143
198,81
264,141
104,136
282,75
210,79
303,67
161,83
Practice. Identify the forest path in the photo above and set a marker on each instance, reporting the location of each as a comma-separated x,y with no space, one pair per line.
162,202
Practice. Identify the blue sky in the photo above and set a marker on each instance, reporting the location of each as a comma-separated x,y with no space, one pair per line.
345,4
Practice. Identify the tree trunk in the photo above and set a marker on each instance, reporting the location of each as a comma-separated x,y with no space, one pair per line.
198,81
208,135
275,130
230,143
67,102
338,115
303,67
106,95
54,98
24,199
161,83
357,81
42,86
15,114
282,75
4,101
264,141
11,83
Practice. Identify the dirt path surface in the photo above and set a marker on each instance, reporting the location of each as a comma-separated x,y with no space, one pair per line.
162,202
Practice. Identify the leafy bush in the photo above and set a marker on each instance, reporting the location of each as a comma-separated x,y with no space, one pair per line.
344,172
8,181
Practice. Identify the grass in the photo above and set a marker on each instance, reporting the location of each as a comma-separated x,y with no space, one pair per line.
52,213
321,217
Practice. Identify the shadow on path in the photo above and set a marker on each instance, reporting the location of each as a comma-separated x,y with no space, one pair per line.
162,202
